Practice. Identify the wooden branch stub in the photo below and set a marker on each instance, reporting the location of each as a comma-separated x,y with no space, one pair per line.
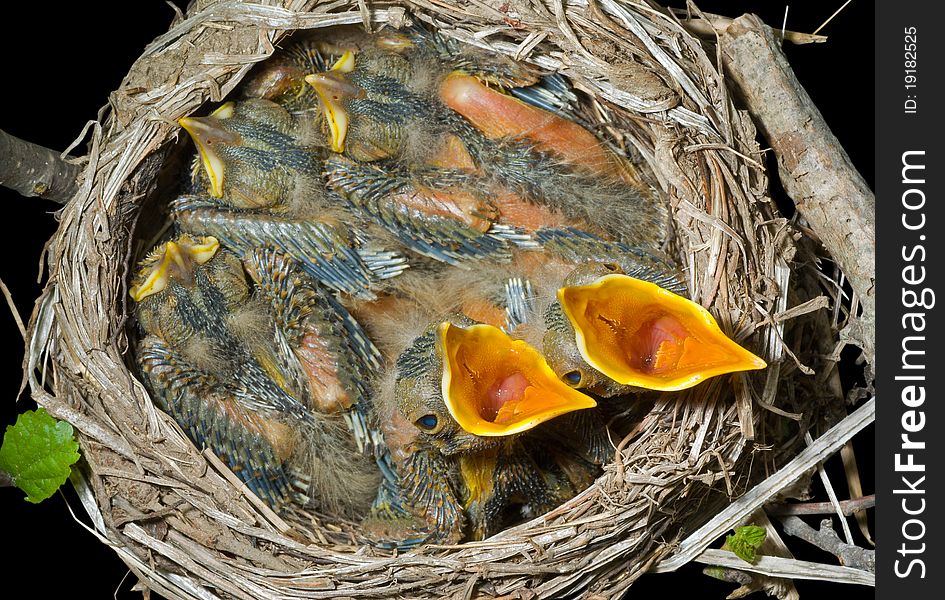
34,170
822,508
708,25
827,540
815,170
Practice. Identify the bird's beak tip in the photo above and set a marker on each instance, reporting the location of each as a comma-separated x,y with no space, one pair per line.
207,132
494,385
641,335
173,259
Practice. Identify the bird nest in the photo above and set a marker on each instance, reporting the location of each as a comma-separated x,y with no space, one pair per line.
188,528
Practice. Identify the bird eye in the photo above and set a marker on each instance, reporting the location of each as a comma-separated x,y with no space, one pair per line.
427,422
612,267
573,378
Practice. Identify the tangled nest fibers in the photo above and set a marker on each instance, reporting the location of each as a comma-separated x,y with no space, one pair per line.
184,524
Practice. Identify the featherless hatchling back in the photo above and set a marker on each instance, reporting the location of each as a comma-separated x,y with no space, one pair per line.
459,276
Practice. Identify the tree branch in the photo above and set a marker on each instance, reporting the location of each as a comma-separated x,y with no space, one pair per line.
822,508
707,25
33,170
827,540
815,170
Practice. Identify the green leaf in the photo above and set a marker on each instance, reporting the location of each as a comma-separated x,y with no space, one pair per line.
38,452
746,542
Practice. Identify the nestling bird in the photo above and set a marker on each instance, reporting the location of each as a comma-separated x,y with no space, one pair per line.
436,150
270,376
453,406
467,470
281,79
612,319
377,99
258,182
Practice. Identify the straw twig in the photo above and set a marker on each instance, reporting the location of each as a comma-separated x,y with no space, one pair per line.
775,566
815,453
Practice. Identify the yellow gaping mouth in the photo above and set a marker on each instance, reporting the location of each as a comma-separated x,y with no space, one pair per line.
207,132
496,386
174,259
333,88
641,335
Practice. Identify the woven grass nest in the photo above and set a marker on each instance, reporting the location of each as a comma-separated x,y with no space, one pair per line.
182,522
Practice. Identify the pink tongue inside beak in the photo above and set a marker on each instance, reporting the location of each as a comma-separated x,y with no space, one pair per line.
660,350
508,389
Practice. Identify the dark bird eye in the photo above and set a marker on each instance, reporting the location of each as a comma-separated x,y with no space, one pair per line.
612,267
572,378
427,422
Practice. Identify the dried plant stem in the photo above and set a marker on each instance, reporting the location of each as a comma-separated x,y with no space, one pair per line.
856,488
775,566
12,305
33,170
773,545
729,574
830,18
828,487
814,169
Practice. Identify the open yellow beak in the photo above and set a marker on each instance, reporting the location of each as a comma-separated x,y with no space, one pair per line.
174,259
207,133
333,88
641,335
496,386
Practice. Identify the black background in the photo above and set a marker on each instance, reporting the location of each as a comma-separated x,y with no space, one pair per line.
57,79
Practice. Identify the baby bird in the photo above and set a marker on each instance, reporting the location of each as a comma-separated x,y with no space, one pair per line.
612,319
258,182
376,99
421,132
468,391
609,318
471,416
269,375
281,79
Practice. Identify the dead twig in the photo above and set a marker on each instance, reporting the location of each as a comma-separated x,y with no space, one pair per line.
827,540
778,587
822,508
815,453
710,25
